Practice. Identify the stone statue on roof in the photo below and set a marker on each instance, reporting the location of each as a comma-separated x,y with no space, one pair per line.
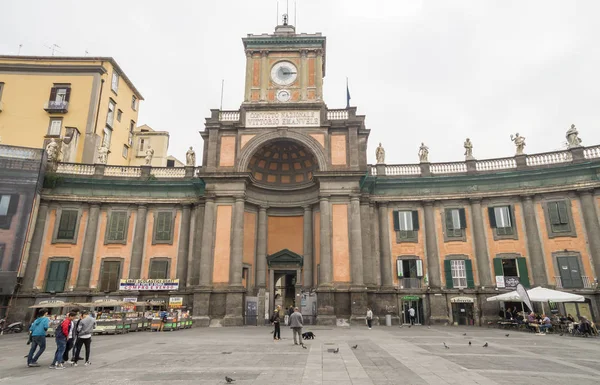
423,153
102,154
190,157
468,149
149,155
380,154
519,142
52,150
573,139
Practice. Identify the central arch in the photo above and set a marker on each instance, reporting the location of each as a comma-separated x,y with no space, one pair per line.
259,141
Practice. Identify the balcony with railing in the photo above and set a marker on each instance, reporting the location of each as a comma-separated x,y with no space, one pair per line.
229,116
583,283
56,106
144,172
409,283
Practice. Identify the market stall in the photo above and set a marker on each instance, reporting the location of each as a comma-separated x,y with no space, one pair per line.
56,310
111,316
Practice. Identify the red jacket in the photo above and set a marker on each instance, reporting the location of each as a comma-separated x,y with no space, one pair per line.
65,327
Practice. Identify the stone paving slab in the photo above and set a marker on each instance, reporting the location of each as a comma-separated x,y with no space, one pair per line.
385,356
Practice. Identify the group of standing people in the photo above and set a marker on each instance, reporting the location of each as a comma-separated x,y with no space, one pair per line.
70,334
294,320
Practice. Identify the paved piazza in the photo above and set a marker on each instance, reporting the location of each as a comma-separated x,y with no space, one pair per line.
385,355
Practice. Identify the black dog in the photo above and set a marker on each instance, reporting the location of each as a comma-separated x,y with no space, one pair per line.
308,336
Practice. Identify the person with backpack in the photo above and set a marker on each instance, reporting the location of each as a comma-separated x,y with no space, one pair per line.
38,337
85,329
71,337
60,335
275,321
163,320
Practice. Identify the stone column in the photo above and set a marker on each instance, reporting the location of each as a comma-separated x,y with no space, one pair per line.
89,247
384,245
261,248
326,272
534,244
481,251
237,243
356,256
303,74
36,247
319,74
367,253
375,244
433,259
249,68
308,247
194,269
206,252
592,227
264,75
184,244
137,249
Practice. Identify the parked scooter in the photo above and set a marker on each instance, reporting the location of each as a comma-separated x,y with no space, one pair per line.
15,327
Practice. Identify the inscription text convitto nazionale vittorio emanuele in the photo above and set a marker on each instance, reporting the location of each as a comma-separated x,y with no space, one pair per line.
283,119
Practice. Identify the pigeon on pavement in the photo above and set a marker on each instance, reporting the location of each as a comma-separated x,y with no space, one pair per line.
561,334
486,345
337,350
355,347
469,343
229,379
304,346
464,334
507,335
446,346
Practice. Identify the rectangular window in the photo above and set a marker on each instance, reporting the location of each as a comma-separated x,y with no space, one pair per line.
1,89
111,274
67,225
117,226
110,115
455,222
406,224
501,220
559,217
163,227
134,102
141,146
159,269
170,163
4,202
570,273
107,137
119,115
514,271
2,248
131,126
57,276
114,85
55,127
459,273
59,95
8,208
125,151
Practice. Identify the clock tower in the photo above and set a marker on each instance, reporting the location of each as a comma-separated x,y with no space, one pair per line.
284,67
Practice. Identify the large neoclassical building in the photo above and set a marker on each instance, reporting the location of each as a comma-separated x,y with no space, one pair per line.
286,210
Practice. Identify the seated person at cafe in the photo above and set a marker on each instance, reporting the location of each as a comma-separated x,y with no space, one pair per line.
509,314
546,323
570,318
585,327
519,317
532,322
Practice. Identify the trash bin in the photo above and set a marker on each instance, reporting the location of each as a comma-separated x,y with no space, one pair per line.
388,320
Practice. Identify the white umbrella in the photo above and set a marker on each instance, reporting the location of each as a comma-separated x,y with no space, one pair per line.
540,294
512,296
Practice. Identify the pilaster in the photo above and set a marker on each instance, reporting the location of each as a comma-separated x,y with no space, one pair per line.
184,244
356,256
592,227
307,281
326,271
433,259
36,246
384,245
206,252
237,243
534,244
89,247
137,248
481,251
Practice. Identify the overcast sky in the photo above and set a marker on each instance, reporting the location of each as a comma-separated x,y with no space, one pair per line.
431,71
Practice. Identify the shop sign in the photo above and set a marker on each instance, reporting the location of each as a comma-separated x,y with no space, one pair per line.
130,299
48,301
288,118
411,298
175,302
462,300
500,282
149,284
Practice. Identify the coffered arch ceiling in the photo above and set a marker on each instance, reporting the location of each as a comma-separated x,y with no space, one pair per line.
283,163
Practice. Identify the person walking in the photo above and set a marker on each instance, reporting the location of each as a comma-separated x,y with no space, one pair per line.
61,333
85,328
38,337
275,319
296,325
369,317
71,338
411,315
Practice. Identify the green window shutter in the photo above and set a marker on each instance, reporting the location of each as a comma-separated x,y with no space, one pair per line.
498,269
492,215
469,270
463,218
523,274
563,213
553,212
57,276
448,270
163,226
511,214
449,225
13,203
112,226
415,219
396,220
121,225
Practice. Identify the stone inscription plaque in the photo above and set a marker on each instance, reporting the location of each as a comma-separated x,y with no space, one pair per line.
283,118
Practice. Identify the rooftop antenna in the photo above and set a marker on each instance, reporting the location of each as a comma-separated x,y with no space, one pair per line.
53,48
295,13
86,52
285,19
277,17
20,46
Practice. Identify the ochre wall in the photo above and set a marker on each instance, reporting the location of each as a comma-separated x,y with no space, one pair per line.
161,250
227,154
244,139
285,233
340,248
317,244
564,243
319,138
406,248
455,247
68,250
517,246
250,243
222,244
338,150
112,250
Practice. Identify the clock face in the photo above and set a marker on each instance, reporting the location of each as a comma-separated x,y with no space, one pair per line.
284,73
283,95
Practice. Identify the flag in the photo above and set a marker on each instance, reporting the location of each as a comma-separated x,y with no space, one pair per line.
524,296
347,95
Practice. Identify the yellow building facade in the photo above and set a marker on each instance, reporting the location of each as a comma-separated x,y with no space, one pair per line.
81,102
